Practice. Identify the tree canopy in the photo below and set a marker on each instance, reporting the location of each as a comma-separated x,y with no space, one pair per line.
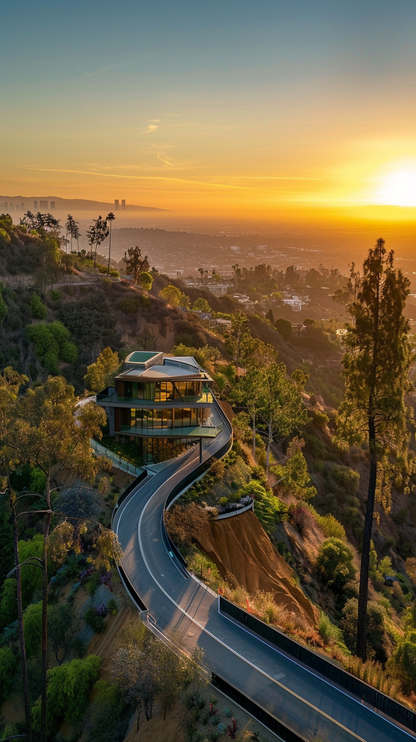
100,374
376,362
135,262
174,296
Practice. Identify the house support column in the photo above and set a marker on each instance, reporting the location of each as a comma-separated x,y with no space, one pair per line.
110,419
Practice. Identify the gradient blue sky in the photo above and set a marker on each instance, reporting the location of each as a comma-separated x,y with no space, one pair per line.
220,106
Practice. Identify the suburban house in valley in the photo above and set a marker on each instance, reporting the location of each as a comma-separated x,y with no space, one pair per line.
163,403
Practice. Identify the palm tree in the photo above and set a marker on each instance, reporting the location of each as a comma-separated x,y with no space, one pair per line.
97,234
110,218
72,230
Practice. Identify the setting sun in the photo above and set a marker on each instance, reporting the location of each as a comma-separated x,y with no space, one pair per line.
398,188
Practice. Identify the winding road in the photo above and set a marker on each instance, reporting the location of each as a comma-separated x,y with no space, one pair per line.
186,610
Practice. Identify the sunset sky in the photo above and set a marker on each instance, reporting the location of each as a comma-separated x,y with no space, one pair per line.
237,108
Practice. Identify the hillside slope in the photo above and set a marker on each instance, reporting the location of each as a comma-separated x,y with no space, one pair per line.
241,548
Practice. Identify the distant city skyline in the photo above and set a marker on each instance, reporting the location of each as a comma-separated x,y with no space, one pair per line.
36,203
245,110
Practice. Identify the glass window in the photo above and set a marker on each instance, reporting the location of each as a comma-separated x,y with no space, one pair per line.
125,416
158,418
163,391
145,390
178,418
167,417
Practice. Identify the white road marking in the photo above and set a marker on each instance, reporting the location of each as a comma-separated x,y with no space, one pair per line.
243,659
303,700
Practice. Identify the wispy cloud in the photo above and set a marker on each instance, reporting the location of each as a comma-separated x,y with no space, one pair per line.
85,73
162,160
144,177
154,124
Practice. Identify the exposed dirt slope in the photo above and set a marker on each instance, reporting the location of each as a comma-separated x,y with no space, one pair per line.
240,546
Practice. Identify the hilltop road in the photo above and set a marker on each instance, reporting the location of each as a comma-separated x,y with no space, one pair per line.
185,609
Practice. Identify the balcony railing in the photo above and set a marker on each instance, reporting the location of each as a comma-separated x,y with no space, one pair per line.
114,399
198,431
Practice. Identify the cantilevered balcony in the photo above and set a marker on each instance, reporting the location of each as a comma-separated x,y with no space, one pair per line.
111,398
200,431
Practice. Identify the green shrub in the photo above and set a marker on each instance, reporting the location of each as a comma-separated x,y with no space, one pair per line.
8,667
284,328
334,564
32,626
31,576
112,607
331,527
59,332
375,627
37,308
37,480
69,352
403,662
145,280
51,362
5,238
105,718
68,692
128,306
8,606
96,622
324,628
268,508
52,344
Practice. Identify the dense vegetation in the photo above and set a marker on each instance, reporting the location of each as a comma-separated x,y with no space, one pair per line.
309,490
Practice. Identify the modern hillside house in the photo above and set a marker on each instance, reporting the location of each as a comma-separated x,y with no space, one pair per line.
163,403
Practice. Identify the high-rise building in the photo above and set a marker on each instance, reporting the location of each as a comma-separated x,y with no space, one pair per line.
22,206
6,205
52,205
43,204
116,204
35,205
123,204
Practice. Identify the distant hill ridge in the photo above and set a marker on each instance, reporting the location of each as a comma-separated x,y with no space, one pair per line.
76,204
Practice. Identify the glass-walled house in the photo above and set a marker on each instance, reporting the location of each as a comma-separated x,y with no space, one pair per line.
163,403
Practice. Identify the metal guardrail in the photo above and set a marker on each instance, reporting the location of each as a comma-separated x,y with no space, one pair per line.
237,511
115,458
254,709
186,481
131,591
320,665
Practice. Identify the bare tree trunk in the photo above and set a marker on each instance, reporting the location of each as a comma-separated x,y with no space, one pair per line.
269,443
366,546
43,734
23,661
254,436
109,253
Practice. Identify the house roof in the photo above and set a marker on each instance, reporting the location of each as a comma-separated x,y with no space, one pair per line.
177,367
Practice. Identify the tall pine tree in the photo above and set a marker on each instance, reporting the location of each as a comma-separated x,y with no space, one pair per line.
377,361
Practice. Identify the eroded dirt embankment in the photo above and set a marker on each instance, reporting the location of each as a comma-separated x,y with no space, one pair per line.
241,546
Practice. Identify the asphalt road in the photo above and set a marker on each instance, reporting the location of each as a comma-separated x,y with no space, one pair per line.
188,612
